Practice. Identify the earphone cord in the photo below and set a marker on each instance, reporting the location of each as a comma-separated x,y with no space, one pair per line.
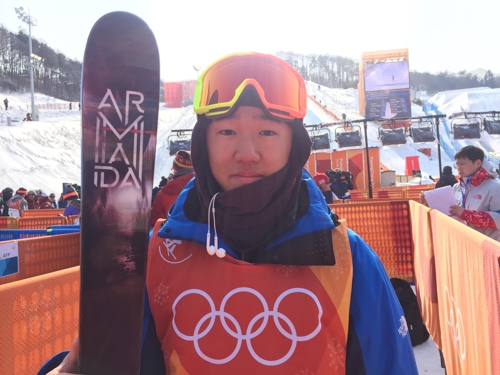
211,206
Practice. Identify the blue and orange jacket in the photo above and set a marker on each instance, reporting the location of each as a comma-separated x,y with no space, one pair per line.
340,319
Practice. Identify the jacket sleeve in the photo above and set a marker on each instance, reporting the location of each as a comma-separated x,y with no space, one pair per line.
480,219
23,205
157,211
378,340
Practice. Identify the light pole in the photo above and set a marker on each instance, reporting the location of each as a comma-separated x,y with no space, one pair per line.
197,70
26,18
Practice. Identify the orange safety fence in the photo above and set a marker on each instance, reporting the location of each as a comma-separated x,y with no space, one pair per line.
468,289
41,213
41,255
425,269
40,222
7,222
72,219
39,319
322,106
397,192
385,226
389,193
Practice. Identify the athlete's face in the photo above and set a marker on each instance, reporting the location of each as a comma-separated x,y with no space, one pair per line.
247,147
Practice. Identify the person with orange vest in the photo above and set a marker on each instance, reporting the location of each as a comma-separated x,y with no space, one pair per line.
252,272
17,203
182,172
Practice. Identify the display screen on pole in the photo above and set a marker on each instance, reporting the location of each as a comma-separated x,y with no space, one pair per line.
388,105
387,76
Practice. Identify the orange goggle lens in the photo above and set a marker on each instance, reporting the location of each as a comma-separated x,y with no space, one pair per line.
279,86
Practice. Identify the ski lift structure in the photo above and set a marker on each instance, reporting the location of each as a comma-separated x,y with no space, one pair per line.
391,136
466,126
385,134
321,138
348,135
491,123
422,131
179,139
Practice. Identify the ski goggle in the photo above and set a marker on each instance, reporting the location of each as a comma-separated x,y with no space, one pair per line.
280,87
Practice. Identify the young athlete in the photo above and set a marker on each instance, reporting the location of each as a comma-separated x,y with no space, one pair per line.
251,273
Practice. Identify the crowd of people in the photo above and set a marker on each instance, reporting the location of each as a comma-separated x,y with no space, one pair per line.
12,203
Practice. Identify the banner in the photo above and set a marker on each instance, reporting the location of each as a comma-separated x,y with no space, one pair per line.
425,269
412,163
468,286
353,160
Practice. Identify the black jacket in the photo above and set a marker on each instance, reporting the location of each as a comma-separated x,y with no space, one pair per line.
445,180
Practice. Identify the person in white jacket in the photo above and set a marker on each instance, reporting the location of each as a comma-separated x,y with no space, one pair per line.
477,192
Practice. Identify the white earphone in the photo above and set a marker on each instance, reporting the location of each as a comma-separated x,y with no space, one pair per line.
214,249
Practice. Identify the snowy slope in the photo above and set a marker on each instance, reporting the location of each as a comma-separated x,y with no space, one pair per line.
44,154
468,100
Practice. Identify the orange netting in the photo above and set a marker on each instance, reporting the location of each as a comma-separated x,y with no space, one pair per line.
425,269
41,213
7,222
41,255
385,226
467,277
393,193
39,319
71,219
41,222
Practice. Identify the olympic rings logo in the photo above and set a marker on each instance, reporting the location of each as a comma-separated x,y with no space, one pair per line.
457,330
250,332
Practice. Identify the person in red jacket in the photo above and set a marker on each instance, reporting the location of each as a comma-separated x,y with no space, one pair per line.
182,171
44,202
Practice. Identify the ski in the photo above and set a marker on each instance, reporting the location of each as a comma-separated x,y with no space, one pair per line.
120,100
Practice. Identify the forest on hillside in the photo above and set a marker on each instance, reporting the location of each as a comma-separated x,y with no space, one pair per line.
54,75
59,76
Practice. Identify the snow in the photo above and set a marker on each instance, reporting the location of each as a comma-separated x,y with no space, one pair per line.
44,154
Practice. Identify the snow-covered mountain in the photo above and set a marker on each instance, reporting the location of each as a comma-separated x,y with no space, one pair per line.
44,154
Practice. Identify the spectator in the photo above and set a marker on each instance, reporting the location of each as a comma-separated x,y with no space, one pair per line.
477,193
447,178
61,202
182,172
74,203
162,183
17,203
44,202
31,199
341,183
6,102
52,197
323,182
70,106
6,195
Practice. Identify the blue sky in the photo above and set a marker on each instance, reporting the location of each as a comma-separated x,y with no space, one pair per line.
440,34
